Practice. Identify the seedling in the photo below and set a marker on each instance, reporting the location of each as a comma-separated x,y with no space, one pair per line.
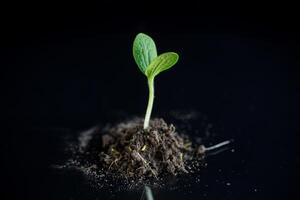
145,56
127,152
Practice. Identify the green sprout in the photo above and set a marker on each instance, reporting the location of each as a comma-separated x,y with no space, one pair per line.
145,56
147,192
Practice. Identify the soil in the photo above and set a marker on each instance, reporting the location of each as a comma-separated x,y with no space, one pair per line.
130,151
124,156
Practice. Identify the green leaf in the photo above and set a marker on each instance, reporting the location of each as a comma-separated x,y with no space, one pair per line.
161,63
144,51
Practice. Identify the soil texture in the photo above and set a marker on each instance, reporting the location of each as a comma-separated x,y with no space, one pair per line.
130,151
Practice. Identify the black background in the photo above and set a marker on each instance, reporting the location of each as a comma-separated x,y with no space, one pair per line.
65,68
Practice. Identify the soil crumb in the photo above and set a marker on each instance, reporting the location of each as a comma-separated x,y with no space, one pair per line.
131,151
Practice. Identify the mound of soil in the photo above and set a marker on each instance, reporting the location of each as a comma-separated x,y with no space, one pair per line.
131,151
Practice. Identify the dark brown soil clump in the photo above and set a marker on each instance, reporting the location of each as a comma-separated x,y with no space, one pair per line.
131,151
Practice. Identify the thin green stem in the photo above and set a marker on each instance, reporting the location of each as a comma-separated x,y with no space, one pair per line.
149,194
150,101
